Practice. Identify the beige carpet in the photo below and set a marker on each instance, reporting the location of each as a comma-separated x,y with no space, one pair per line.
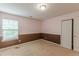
37,48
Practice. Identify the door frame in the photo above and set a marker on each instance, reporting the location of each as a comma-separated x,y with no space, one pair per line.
72,42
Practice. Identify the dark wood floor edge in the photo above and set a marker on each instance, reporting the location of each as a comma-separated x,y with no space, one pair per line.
22,39
30,37
29,34
50,34
51,37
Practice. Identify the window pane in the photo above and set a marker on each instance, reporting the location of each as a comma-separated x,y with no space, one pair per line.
10,35
10,29
9,24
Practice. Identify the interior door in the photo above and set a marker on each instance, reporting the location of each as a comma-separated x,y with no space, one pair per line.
66,34
76,34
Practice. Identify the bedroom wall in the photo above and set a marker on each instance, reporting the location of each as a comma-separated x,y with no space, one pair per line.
29,29
26,26
49,29
52,26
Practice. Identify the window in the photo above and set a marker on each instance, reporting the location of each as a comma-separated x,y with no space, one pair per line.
10,29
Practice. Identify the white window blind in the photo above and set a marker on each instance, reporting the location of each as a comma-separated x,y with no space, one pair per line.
9,29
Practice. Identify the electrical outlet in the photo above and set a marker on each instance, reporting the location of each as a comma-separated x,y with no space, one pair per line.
19,41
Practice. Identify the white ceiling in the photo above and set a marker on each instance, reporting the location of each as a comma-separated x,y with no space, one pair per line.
31,9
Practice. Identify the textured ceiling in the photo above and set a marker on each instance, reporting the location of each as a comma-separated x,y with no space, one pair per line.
31,9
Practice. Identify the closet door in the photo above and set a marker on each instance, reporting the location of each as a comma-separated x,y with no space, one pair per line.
76,34
66,34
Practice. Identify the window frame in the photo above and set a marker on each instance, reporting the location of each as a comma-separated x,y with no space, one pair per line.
10,29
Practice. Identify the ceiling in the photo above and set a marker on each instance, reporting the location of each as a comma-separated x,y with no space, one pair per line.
31,9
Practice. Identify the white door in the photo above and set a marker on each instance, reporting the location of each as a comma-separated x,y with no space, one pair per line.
66,34
76,34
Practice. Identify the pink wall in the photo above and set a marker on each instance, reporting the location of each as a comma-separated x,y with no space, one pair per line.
26,26
53,25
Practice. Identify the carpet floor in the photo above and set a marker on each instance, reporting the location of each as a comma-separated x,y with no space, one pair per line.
37,48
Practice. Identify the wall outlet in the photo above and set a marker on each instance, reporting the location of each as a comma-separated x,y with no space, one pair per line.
19,41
